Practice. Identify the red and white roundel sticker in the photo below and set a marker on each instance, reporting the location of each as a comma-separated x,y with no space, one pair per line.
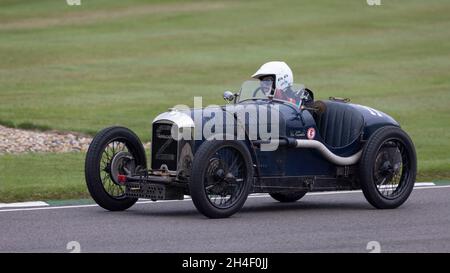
311,133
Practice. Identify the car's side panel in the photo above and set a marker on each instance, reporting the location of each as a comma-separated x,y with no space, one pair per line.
288,161
293,123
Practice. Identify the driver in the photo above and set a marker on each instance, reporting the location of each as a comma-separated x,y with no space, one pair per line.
277,76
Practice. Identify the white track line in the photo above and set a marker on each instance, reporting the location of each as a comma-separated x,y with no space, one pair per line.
33,204
422,184
188,199
24,204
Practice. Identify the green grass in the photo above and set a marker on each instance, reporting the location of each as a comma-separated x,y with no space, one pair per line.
42,177
121,62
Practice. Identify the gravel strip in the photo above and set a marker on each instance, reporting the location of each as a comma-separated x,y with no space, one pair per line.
15,141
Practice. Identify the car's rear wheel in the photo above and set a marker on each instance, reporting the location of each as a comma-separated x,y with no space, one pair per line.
221,178
387,169
113,151
287,197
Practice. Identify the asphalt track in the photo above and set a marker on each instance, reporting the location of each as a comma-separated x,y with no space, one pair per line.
332,222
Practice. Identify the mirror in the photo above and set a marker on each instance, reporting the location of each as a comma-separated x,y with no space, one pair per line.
228,96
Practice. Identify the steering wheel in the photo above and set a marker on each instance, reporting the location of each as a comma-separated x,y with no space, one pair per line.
259,89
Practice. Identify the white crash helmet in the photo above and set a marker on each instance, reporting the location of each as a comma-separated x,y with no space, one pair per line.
281,71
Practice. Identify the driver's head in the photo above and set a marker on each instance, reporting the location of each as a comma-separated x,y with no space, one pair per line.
278,74
267,83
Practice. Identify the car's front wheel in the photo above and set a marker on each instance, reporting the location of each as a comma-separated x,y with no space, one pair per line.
221,178
114,151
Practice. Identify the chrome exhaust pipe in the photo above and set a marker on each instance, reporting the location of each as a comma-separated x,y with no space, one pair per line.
338,160
314,144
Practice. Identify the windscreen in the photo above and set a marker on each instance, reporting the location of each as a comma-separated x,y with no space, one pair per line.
254,89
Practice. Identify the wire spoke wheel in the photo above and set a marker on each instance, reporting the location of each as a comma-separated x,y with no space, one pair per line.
221,178
116,159
391,168
224,177
114,151
387,168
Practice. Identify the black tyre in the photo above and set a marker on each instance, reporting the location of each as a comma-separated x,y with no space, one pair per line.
113,151
221,178
287,197
387,169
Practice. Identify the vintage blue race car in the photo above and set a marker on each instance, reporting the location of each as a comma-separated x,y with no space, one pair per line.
219,155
